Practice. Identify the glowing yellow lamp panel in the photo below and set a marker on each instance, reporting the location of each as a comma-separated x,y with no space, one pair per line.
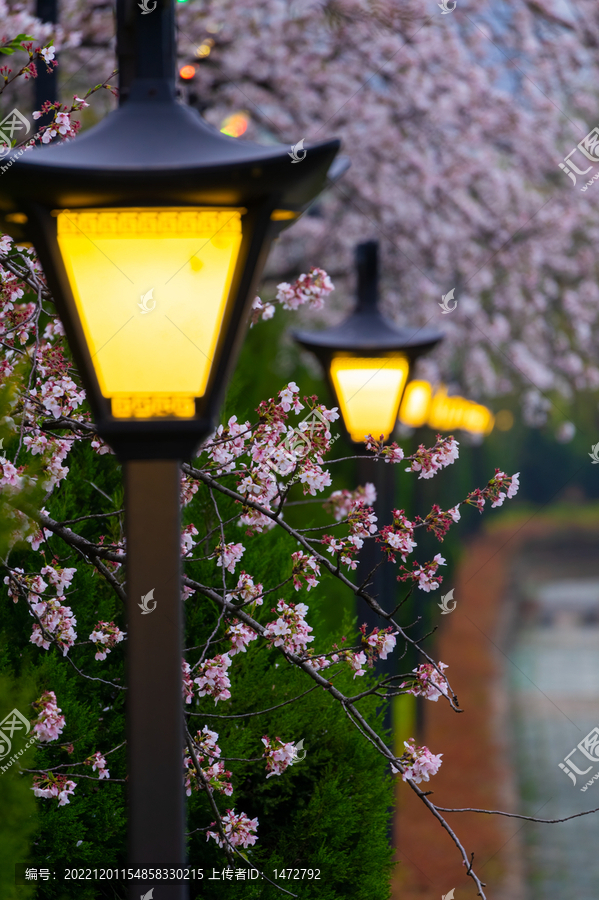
453,413
151,288
369,392
416,404
478,419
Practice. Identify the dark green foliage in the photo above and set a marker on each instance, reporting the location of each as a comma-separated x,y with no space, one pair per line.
18,815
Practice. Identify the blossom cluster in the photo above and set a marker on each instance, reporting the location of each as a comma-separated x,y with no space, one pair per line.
228,555
390,453
213,680
496,490
304,566
98,763
440,521
398,537
429,462
278,754
341,503
425,574
51,785
290,631
55,621
206,749
240,831
246,590
427,682
49,723
105,636
310,289
241,635
419,763
187,681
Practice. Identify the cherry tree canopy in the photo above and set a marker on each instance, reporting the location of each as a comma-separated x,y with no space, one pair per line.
455,124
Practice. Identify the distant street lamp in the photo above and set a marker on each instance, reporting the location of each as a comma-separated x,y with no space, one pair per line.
367,358
367,361
443,412
153,229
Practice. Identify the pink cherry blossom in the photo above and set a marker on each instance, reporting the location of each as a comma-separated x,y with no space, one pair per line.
187,539
240,831
278,754
52,785
229,555
213,680
98,762
357,662
289,398
427,683
304,566
419,763
290,630
57,621
49,723
246,590
106,636
187,682
206,750
241,636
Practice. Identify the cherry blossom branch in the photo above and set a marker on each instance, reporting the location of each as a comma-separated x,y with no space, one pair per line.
211,801
499,812
78,775
334,570
259,713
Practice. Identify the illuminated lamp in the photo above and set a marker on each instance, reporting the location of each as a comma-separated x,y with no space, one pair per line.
367,358
416,404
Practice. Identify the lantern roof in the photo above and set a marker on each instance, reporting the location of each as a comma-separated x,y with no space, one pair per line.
367,329
153,150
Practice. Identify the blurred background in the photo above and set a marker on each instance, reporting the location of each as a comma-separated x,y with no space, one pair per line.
464,128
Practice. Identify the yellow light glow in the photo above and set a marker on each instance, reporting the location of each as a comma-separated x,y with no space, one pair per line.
204,49
151,288
478,419
453,413
369,392
416,403
282,215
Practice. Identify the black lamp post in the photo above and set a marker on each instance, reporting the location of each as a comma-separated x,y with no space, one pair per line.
367,360
46,83
153,228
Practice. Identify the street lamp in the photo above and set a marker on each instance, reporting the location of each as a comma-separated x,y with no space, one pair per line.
442,412
153,229
367,358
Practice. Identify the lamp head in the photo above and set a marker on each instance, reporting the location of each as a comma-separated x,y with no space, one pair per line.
367,358
153,229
